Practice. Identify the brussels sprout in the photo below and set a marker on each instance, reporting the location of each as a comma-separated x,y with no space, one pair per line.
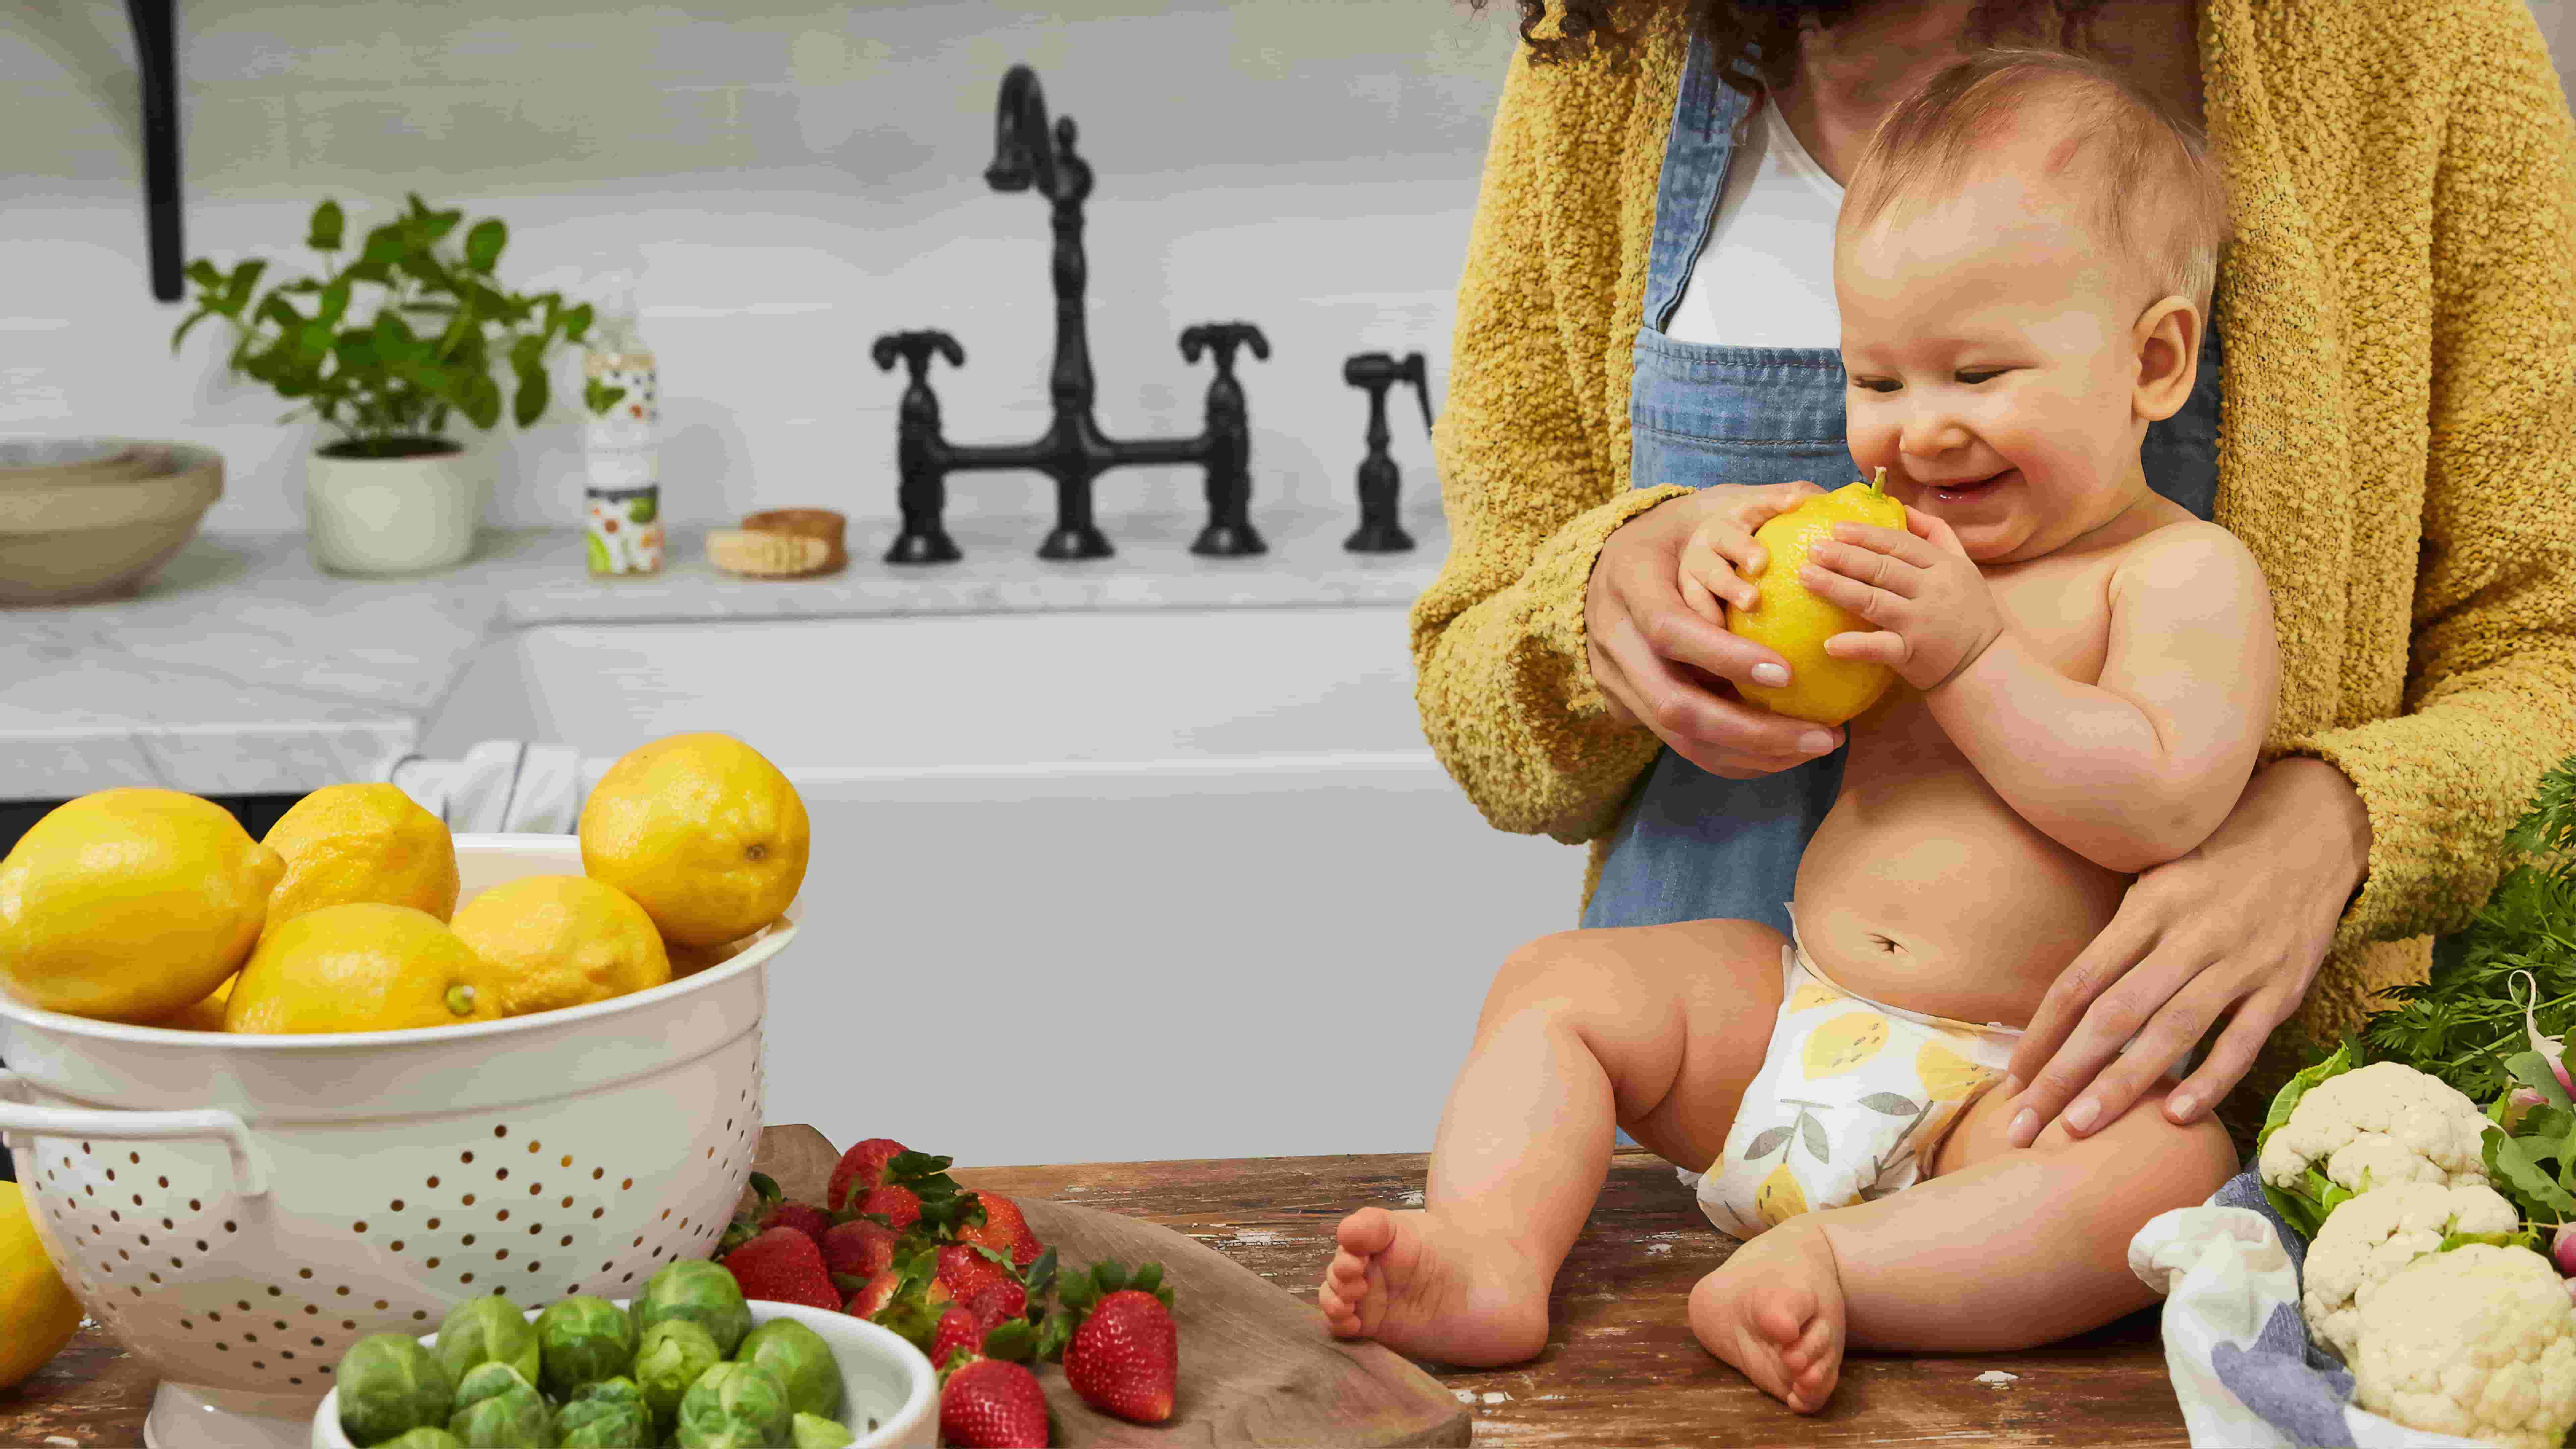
425,1437
604,1424
700,1291
497,1409
485,1380
674,1352
483,1330
619,1390
813,1431
583,1339
734,1406
391,1385
802,1361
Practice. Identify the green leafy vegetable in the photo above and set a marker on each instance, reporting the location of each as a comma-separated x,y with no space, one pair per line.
2465,1023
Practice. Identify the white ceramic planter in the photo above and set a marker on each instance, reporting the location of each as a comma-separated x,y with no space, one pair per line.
395,515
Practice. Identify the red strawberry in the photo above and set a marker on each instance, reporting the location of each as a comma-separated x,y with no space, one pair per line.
899,1206
783,1265
958,1328
1004,1230
804,1217
994,1403
998,1302
966,1270
871,1299
858,1247
862,1167
1119,1347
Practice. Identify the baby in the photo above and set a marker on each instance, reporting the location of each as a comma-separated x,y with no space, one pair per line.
2023,262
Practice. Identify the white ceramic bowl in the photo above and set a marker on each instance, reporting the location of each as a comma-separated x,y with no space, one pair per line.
882,1378
238,1210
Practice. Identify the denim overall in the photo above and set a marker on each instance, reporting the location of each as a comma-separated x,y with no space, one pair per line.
1692,845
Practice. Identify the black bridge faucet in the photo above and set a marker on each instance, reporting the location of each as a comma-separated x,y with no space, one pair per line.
1072,451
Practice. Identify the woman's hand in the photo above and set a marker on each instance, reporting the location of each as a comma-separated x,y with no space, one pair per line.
1935,613
1663,665
2234,929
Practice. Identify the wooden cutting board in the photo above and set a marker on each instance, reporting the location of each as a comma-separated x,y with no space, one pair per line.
1257,1366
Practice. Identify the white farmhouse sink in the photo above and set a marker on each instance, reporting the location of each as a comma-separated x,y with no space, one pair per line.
1085,886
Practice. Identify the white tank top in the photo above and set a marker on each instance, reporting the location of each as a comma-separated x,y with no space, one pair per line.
1765,276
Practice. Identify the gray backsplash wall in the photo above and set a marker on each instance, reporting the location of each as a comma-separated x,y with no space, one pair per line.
791,179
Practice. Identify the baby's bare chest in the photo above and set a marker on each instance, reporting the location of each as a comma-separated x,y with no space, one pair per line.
2061,607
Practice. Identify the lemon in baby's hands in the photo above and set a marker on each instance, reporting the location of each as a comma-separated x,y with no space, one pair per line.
702,832
1795,624
552,941
130,904
346,843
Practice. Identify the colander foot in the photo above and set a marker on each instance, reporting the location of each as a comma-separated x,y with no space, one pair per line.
186,1418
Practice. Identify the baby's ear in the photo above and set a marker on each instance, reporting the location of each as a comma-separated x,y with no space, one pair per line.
2167,338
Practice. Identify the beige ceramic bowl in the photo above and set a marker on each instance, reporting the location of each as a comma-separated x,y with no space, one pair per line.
83,519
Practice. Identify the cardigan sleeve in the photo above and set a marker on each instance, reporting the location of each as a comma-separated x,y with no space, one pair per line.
2491,681
1531,492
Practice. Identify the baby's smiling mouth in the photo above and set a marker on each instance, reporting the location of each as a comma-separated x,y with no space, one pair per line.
1968,488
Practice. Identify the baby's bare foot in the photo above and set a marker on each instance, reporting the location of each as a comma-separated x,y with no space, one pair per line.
1775,1311
1423,1285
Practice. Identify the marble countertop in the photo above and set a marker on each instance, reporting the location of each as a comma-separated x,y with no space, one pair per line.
242,669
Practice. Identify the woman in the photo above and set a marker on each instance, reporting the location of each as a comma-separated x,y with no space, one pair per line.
2390,368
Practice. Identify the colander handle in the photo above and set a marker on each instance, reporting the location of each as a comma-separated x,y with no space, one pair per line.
19,1119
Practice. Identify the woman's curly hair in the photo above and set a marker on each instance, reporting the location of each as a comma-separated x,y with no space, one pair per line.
1761,33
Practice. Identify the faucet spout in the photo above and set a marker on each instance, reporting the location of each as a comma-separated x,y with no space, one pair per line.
1022,150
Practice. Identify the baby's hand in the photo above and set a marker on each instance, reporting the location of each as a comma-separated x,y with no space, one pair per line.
1934,611
1721,554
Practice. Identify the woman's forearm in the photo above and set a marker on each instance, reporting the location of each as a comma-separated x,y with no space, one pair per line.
2085,766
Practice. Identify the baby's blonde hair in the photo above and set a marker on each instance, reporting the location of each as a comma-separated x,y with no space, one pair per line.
2155,196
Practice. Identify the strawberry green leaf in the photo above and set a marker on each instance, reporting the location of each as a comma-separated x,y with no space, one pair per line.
1012,1339
1149,1280
1111,1276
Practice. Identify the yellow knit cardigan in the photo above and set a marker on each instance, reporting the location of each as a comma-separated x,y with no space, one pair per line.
2398,433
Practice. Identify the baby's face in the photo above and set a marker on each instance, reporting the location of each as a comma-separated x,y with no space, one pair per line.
1992,367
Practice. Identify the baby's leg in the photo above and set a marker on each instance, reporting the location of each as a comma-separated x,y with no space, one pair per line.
1655,1028
2004,1248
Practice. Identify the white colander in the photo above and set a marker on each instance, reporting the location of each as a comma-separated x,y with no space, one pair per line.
238,1210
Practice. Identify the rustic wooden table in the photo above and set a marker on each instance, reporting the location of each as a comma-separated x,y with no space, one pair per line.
1621,1368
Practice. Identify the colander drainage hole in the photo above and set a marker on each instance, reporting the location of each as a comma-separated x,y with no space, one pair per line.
195,1206
111,1174
500,1131
303,1272
276,1292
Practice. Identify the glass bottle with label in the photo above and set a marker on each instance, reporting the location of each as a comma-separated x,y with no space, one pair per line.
621,452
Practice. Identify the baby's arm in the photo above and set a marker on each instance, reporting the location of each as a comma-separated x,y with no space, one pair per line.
2140,767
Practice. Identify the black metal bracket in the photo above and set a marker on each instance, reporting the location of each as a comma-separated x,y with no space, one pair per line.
156,52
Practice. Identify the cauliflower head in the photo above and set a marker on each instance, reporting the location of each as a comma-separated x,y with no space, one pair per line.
2370,1239
2377,1125
2479,1342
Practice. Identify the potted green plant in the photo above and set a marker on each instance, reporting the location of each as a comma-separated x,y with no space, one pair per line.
389,349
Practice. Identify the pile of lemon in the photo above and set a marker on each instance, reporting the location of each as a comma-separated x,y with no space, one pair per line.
156,908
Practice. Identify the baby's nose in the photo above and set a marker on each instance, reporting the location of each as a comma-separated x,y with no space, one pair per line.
1931,436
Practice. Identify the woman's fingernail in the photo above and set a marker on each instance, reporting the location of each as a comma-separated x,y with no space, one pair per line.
2025,1126
2080,1116
2011,1086
2180,1107
1770,674
1815,742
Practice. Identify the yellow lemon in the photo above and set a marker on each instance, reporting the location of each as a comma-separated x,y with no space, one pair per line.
40,1312
690,960
1778,1197
345,843
1811,996
1948,1076
705,834
360,967
205,1015
128,904
1795,623
1844,1043
560,940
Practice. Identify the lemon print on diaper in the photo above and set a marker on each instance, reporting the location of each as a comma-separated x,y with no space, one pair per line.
1948,1076
1844,1043
1779,1198
1810,996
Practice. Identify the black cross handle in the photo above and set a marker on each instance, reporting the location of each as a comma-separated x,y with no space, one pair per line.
1221,339
916,350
